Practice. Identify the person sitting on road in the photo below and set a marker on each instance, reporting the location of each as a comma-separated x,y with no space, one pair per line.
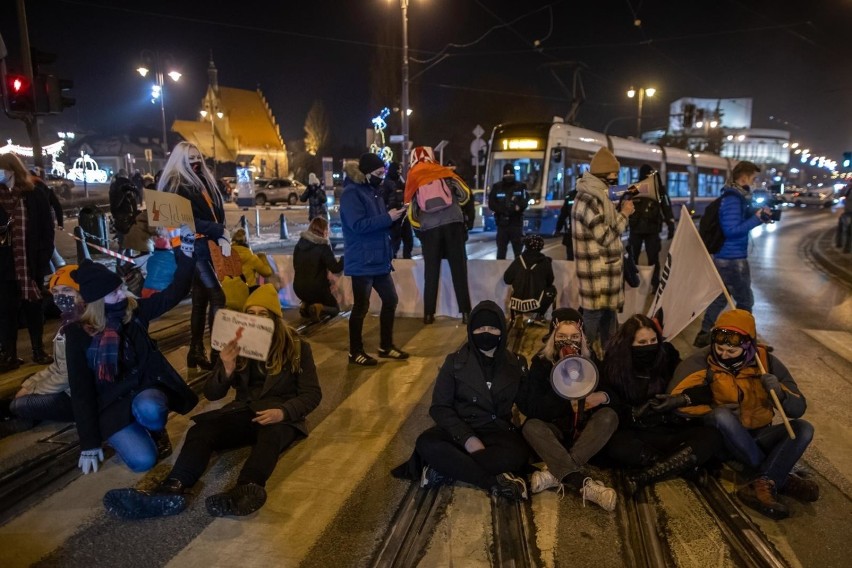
475,440
253,264
122,387
563,436
731,393
639,365
313,259
273,398
46,394
531,278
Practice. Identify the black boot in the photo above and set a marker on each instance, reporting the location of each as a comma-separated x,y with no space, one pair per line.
164,444
196,357
168,498
9,362
675,464
41,358
244,499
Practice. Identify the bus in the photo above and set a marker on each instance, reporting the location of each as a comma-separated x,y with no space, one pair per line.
550,157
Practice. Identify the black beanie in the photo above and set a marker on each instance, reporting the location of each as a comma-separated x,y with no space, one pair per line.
563,315
370,162
509,169
95,280
645,171
485,317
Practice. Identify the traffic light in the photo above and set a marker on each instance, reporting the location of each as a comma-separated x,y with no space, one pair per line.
57,94
18,93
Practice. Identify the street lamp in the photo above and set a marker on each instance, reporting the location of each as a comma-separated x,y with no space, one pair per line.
405,110
157,91
208,111
643,92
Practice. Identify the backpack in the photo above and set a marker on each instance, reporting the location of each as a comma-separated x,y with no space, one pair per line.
434,196
709,227
126,208
525,298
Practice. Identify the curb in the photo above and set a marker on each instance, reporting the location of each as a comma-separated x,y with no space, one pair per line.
828,257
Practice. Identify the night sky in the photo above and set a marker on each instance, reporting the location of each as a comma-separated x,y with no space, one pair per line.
793,58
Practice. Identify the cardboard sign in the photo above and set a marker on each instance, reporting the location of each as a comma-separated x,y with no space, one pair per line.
253,333
168,209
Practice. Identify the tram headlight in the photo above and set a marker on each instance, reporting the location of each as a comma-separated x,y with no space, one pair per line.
531,202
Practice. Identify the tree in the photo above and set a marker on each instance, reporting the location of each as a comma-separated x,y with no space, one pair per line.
316,129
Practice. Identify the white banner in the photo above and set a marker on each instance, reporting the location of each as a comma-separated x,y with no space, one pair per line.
689,281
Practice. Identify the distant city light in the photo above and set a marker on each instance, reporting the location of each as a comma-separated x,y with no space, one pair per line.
785,145
741,137
794,145
699,124
730,136
713,124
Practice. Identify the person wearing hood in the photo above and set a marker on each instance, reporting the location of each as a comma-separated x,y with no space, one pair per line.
314,195
366,237
313,259
393,192
436,194
531,278
639,365
508,200
737,219
729,391
647,222
565,437
122,387
596,227
474,439
253,264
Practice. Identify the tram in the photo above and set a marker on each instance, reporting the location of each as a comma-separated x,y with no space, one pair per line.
551,157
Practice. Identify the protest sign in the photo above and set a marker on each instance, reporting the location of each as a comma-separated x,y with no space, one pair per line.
253,333
168,209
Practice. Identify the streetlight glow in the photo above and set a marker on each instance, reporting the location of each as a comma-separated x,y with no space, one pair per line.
713,124
142,70
741,137
699,124
794,145
175,75
650,91
785,145
631,93
203,113
220,114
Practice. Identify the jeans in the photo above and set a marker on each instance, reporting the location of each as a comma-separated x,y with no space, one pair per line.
549,442
505,451
205,290
598,324
133,442
509,234
11,302
445,241
361,288
55,406
653,244
737,278
229,431
767,451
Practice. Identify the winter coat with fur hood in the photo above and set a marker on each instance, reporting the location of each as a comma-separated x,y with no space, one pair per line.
366,226
313,259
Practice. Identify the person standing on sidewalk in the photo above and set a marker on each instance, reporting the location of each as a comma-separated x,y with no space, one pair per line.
366,225
737,219
647,222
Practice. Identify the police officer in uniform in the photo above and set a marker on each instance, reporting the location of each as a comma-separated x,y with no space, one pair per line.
508,200
647,222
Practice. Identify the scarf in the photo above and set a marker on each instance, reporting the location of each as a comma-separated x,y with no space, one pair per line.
598,189
426,172
13,202
103,351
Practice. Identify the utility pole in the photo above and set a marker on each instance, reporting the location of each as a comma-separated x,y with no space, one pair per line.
30,119
405,105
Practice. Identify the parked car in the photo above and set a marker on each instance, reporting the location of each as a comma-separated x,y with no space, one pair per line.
815,198
62,186
277,190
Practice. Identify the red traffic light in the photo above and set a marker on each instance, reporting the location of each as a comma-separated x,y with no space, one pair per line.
17,84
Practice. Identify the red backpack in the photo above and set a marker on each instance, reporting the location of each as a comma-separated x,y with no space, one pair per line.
434,196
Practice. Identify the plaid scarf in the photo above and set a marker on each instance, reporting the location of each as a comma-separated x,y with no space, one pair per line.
103,351
16,208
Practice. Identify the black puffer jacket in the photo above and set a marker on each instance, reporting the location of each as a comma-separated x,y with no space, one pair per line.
313,259
462,403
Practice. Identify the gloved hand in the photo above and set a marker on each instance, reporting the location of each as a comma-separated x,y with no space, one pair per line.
771,383
642,410
187,240
224,242
666,402
89,460
671,230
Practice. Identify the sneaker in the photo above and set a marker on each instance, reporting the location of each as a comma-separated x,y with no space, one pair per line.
800,488
542,480
702,339
362,359
393,353
244,499
432,478
136,504
510,487
760,495
597,492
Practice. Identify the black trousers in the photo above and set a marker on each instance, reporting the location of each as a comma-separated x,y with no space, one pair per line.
636,447
509,234
231,431
11,304
446,241
206,290
504,452
401,233
653,244
362,287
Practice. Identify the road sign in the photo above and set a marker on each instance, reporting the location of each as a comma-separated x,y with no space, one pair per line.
149,156
476,147
478,131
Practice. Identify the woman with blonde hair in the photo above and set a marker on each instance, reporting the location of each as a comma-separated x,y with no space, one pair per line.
273,397
122,387
26,247
186,174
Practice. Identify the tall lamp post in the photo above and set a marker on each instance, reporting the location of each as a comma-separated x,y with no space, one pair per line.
405,110
631,93
208,111
157,90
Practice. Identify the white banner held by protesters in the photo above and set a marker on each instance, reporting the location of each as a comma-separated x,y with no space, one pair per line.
253,333
689,281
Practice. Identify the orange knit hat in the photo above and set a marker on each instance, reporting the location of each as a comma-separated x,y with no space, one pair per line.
737,320
62,277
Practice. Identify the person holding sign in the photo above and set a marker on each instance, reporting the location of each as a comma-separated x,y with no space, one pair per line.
731,391
273,397
566,434
122,387
186,175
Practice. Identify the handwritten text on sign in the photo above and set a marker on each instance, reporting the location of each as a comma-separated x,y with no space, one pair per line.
168,209
253,333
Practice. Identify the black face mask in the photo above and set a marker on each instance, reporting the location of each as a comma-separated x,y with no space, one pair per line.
65,302
612,181
731,363
645,355
508,178
486,341
196,167
375,181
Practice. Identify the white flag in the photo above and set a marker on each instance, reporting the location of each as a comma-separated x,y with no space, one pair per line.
689,281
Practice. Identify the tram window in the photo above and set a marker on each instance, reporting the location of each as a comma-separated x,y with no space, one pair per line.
556,175
678,184
527,170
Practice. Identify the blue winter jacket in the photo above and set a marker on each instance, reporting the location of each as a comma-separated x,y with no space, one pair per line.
366,229
737,220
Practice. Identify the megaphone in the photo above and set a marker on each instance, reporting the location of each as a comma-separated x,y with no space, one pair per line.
574,377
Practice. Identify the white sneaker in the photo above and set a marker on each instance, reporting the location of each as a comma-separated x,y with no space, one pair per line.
597,492
542,480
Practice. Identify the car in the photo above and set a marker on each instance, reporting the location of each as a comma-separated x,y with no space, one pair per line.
277,190
62,186
815,198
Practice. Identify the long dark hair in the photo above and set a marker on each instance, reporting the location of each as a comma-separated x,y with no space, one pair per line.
618,363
